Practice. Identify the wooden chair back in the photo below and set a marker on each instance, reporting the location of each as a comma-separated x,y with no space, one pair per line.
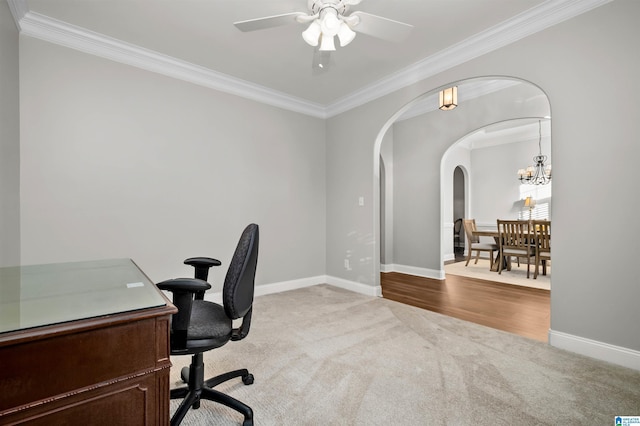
469,227
542,232
514,235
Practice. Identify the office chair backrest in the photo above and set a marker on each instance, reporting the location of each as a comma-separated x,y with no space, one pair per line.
239,281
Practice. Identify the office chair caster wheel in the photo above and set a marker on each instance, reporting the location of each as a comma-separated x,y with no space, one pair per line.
184,374
248,379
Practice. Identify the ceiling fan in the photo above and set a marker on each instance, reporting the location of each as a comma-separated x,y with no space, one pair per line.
328,19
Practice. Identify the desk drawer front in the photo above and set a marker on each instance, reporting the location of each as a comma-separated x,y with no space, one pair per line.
58,367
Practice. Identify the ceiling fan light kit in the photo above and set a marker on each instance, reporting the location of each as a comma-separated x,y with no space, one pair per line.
312,34
328,21
330,18
327,43
345,34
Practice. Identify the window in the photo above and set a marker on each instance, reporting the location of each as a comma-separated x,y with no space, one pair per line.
542,195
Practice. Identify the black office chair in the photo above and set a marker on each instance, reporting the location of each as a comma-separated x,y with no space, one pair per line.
199,325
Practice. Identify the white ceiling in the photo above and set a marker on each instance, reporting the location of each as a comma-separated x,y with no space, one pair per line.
196,40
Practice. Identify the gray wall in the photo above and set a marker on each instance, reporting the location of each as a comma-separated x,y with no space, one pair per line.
9,140
494,185
581,64
121,162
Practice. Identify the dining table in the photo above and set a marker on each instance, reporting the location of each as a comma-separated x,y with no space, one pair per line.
495,234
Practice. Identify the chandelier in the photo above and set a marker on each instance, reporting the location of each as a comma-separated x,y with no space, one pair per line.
539,173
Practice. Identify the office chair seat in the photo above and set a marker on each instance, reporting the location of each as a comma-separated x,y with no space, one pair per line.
209,328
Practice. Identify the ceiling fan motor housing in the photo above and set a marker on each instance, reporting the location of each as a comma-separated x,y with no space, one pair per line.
316,6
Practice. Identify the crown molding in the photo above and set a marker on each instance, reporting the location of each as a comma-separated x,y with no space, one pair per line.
536,19
18,9
54,31
529,22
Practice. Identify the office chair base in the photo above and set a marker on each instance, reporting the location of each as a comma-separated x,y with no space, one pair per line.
193,397
199,389
247,378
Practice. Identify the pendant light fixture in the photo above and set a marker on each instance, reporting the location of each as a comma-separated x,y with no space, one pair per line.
539,173
449,98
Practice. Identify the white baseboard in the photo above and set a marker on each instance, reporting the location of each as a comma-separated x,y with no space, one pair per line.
413,270
386,268
355,286
278,287
449,256
592,348
263,289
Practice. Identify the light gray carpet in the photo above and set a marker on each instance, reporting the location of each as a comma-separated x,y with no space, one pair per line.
326,356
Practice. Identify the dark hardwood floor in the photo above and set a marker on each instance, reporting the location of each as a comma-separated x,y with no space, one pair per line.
521,310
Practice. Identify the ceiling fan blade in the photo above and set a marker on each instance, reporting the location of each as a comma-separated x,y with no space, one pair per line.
379,27
268,21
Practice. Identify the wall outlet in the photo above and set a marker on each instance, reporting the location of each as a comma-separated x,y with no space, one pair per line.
346,264
361,201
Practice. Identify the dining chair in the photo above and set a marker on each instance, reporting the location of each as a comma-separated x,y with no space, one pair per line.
457,237
515,241
542,232
475,244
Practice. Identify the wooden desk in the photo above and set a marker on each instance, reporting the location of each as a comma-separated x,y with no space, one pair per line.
83,343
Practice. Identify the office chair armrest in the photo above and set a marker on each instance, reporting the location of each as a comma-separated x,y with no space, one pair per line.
202,265
202,261
189,285
184,290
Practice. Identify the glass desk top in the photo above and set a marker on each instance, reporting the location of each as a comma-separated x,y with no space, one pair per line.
38,295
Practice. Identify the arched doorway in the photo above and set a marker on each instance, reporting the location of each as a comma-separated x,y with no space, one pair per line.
422,135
